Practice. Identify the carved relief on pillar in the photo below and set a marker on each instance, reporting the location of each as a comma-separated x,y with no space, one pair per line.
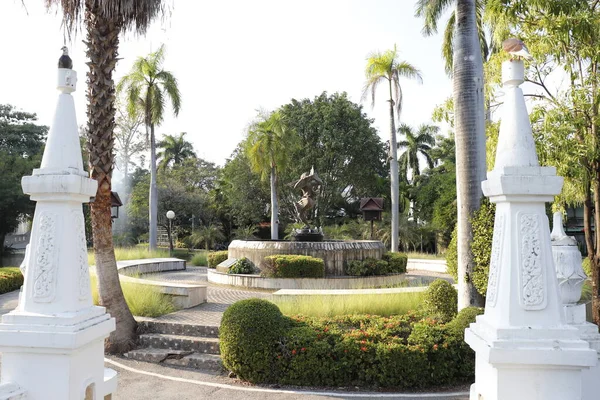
46,263
82,263
532,273
497,241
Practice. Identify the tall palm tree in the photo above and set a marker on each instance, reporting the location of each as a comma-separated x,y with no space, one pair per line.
469,125
414,144
175,150
383,67
104,20
146,86
432,10
267,147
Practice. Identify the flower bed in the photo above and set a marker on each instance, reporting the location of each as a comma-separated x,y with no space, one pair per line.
400,351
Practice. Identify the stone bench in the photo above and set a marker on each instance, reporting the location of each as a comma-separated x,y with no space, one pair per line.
184,295
150,266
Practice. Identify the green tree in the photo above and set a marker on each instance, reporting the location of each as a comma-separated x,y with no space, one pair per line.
240,195
146,87
268,146
415,143
382,67
175,150
339,141
104,21
21,142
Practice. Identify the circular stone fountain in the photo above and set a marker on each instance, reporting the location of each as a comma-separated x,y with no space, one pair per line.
335,253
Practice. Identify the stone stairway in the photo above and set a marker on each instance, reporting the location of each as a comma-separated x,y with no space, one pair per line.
183,345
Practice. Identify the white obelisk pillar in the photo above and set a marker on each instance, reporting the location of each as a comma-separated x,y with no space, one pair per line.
567,259
53,344
524,348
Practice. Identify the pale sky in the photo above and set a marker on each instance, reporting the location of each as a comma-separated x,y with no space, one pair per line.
234,57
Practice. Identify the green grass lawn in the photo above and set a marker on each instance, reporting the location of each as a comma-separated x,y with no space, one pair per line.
143,300
334,305
195,257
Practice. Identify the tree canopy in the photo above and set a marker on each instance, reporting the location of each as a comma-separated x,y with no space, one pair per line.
21,144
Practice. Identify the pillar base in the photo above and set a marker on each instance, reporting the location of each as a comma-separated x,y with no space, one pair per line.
57,357
528,362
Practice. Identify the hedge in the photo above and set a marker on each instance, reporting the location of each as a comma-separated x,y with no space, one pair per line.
366,267
216,258
10,279
397,262
293,266
481,246
404,351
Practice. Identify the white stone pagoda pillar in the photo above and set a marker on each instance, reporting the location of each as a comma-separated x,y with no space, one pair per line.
524,348
567,259
52,344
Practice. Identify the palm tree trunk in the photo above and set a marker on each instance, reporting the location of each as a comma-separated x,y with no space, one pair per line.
470,142
153,208
274,206
394,175
102,45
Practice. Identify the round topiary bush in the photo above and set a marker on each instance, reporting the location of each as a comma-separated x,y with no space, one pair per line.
441,300
249,333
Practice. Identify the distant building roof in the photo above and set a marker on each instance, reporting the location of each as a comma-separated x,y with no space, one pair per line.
371,204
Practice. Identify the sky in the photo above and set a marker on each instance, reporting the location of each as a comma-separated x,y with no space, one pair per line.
232,58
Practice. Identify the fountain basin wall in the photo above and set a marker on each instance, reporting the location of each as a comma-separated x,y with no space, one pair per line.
335,254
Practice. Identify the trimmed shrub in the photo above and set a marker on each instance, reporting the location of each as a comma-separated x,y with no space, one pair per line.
481,246
587,266
441,300
367,267
293,266
396,262
10,279
241,266
216,258
249,333
452,256
465,357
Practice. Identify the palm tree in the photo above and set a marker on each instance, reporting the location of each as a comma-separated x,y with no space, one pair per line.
208,235
383,67
415,144
104,20
469,125
176,150
432,10
145,87
267,147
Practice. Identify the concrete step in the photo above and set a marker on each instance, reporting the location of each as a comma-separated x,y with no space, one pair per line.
204,345
180,358
169,328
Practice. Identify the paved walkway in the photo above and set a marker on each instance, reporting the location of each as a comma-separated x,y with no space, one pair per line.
218,298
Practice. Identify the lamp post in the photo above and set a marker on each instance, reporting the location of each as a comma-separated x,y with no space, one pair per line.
170,216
